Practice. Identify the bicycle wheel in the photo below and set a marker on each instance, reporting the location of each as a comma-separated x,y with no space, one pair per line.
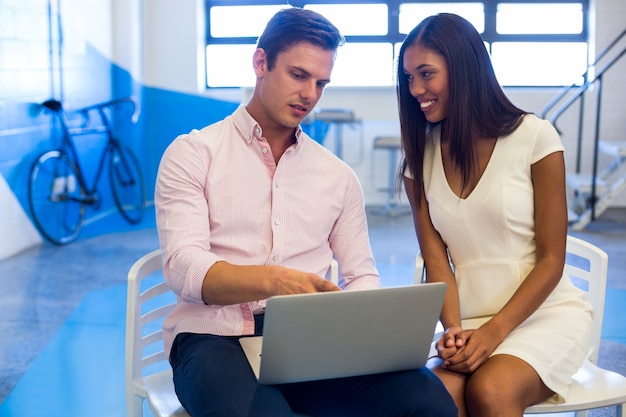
127,183
56,197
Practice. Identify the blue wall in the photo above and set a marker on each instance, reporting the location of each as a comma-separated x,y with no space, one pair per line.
167,114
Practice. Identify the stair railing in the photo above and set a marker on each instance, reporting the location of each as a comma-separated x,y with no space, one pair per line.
576,92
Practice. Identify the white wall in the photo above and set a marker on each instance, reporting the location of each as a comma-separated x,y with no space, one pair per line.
87,22
172,49
127,36
18,233
173,39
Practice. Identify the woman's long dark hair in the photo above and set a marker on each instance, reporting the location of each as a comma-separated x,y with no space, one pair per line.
477,106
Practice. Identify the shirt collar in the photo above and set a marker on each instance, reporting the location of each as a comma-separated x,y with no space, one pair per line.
249,128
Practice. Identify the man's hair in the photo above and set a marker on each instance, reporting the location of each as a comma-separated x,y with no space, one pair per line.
294,25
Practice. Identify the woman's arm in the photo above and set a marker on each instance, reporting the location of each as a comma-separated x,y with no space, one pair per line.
550,205
550,212
435,256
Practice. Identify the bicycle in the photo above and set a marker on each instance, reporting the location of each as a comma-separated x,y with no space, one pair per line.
58,191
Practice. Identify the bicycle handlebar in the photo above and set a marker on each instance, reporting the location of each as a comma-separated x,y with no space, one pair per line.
113,103
56,106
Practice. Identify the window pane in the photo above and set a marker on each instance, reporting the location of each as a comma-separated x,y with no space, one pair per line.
539,64
230,65
355,19
227,21
534,18
355,66
413,13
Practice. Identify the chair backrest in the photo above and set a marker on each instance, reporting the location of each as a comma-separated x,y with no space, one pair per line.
149,301
587,267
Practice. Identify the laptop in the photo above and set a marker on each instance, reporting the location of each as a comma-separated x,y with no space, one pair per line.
345,333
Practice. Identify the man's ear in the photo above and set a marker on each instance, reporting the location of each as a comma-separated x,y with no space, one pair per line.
259,62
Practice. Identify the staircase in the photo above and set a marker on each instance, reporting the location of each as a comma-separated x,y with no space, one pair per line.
590,193
586,203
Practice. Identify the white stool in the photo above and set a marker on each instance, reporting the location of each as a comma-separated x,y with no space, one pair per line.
339,118
391,144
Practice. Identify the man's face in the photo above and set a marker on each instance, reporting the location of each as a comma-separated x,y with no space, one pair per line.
291,89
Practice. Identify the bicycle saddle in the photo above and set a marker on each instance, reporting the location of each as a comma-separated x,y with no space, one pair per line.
52,104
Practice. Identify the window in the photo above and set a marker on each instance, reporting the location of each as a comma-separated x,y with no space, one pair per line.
531,42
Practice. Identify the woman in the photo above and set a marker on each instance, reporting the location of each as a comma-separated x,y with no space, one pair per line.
486,183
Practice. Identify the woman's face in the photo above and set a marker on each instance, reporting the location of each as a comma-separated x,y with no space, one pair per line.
429,81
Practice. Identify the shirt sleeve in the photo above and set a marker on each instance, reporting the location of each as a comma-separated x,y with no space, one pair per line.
182,217
349,242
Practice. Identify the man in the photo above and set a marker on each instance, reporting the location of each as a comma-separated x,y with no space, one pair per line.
252,207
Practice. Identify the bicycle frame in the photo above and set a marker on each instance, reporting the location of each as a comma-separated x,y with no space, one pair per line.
68,147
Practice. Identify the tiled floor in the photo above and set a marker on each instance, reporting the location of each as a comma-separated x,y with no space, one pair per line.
62,312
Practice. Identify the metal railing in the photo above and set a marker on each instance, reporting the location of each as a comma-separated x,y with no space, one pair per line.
562,101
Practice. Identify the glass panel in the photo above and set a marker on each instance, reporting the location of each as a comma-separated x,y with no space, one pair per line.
230,65
538,63
355,19
355,66
536,18
413,13
242,21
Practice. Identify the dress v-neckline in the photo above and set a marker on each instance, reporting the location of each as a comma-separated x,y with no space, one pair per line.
483,176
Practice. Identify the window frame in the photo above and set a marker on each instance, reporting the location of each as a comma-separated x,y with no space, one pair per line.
489,35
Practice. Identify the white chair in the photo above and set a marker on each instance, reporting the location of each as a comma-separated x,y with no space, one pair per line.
593,387
148,372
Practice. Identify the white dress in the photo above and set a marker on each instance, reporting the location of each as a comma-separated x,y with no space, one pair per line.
490,238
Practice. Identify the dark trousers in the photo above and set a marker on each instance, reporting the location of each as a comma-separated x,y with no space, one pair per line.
212,377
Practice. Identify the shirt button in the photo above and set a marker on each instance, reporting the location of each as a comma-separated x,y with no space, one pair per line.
264,150
276,258
277,222
277,185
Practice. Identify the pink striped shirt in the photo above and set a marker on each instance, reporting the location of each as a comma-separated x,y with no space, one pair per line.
220,196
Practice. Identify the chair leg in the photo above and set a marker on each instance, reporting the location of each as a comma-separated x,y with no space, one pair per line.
134,406
392,206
